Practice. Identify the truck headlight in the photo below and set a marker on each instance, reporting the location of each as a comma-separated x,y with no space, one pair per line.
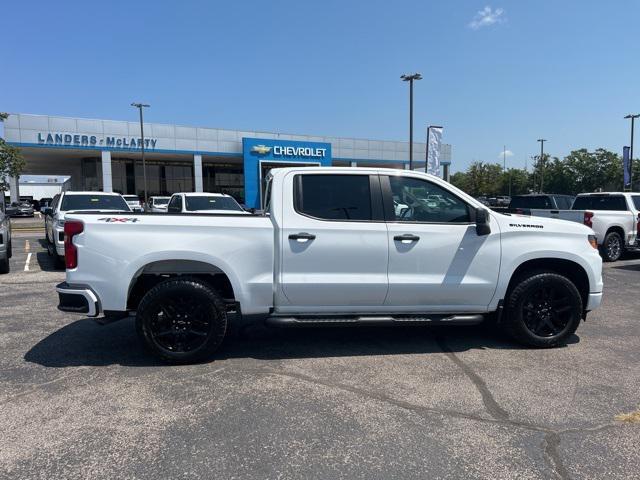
60,223
593,241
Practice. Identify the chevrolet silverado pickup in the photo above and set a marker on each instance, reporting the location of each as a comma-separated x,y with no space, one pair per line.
332,249
614,218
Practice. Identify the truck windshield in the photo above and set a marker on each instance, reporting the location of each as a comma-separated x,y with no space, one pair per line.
194,203
94,202
600,202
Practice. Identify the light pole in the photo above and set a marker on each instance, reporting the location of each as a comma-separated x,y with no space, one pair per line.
410,78
632,117
140,106
541,140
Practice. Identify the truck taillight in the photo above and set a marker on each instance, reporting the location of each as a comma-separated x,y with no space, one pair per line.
588,216
71,228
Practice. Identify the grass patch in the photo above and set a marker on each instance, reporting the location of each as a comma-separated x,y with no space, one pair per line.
633,417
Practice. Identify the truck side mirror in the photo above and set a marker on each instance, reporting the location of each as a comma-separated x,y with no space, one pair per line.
45,210
482,221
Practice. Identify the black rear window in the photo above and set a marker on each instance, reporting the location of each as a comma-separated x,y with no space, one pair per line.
600,202
531,201
636,202
94,202
334,197
211,203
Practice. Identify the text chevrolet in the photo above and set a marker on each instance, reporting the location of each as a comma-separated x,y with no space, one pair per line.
332,249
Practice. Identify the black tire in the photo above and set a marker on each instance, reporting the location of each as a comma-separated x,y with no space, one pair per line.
543,310
4,264
58,261
612,247
182,320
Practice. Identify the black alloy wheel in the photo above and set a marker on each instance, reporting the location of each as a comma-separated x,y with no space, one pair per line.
543,309
182,320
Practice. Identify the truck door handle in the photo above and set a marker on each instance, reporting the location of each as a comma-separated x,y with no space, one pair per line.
302,237
406,238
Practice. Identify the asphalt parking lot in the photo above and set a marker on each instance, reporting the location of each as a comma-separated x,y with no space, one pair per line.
80,400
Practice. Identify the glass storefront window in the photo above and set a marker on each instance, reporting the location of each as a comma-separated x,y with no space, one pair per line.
224,178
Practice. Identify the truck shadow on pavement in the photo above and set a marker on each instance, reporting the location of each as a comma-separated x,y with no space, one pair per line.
85,343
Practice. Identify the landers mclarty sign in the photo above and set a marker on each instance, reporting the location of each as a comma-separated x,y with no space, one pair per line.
75,140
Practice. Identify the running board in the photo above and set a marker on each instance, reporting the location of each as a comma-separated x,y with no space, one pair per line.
313,321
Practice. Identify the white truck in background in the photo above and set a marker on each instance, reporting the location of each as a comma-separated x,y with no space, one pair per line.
613,216
332,248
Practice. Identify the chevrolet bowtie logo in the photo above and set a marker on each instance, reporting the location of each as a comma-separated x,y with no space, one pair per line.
261,149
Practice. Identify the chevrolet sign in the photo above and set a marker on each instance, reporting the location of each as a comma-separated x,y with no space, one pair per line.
310,152
261,149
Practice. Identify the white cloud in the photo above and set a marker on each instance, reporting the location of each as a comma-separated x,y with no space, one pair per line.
487,17
507,153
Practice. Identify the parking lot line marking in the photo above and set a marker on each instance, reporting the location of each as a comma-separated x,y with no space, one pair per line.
26,264
27,246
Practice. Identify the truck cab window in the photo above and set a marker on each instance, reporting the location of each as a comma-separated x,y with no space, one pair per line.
416,200
333,197
175,205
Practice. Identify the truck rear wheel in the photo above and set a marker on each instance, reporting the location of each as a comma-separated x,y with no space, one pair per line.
612,247
182,320
4,264
543,310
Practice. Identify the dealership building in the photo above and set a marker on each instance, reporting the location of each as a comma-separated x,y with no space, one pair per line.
106,155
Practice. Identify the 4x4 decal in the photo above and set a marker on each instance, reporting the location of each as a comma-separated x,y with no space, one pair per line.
118,220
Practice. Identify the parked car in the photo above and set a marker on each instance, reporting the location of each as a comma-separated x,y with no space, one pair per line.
158,204
523,204
503,200
11,209
134,203
614,217
45,202
22,209
5,237
198,202
331,250
55,216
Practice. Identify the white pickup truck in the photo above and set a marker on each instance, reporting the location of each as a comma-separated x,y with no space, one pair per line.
614,217
54,216
332,249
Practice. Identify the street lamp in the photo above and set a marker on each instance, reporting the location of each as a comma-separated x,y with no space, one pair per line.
410,78
140,106
541,140
632,117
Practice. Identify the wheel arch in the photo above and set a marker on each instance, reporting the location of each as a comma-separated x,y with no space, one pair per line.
567,268
155,272
618,229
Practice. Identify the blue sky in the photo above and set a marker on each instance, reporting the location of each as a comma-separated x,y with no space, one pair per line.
497,73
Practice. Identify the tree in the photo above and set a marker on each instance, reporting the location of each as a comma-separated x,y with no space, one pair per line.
12,162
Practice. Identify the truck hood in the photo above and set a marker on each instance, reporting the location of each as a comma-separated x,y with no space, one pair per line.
514,222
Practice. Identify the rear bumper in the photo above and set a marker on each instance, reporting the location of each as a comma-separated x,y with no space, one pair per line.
594,301
77,299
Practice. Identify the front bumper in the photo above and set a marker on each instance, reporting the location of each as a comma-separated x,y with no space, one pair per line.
77,299
594,301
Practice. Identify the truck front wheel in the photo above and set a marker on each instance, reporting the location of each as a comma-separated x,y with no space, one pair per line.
182,320
543,310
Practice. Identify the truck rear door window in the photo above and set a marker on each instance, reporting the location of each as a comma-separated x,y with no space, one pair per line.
636,202
600,202
334,197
